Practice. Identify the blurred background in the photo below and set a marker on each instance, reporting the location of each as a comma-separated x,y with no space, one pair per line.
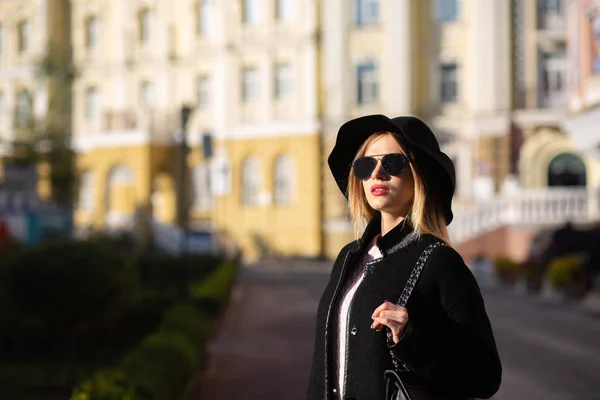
164,165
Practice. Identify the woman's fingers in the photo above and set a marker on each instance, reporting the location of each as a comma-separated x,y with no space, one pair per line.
391,315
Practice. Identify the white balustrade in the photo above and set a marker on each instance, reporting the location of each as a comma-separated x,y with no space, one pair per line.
527,207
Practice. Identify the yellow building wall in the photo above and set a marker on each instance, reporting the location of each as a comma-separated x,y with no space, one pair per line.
261,230
144,161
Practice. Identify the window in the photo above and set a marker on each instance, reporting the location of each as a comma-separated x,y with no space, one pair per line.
367,12
250,12
91,33
203,91
595,25
24,108
251,181
147,94
367,84
203,17
92,103
551,6
23,36
144,21
86,192
448,83
553,83
202,195
283,81
249,84
284,180
2,106
551,14
447,10
284,10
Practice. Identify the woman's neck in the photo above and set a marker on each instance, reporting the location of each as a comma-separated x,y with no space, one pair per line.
389,222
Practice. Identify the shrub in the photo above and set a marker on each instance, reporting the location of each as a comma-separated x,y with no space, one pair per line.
161,366
106,385
170,276
69,287
188,321
562,270
507,270
213,293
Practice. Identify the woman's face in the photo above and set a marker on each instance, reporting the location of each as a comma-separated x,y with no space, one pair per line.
386,193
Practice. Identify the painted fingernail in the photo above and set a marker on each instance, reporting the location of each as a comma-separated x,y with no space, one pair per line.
387,301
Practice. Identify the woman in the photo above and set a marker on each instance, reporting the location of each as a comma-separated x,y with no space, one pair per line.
395,177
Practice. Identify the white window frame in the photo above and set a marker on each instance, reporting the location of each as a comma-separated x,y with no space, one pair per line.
284,180
284,81
147,94
204,17
367,83
554,78
250,12
2,106
203,91
443,83
23,36
367,12
24,106
202,189
92,103
145,25
250,84
92,32
86,201
251,182
284,10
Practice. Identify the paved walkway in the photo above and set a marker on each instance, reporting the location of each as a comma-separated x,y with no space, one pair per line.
264,348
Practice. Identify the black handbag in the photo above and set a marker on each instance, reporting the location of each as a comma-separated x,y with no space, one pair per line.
400,383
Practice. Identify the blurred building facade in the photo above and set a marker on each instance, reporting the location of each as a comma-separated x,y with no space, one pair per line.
270,83
584,78
27,31
545,156
250,71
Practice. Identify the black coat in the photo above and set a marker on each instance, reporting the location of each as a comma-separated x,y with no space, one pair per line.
448,341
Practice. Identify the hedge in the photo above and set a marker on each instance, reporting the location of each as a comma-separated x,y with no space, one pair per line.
163,366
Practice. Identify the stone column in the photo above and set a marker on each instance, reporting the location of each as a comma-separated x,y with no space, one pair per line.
396,80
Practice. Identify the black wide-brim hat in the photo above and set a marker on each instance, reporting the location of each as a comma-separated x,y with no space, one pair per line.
437,168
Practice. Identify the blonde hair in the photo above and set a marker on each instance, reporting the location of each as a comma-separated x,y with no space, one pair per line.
425,215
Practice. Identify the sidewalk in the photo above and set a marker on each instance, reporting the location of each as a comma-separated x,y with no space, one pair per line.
264,347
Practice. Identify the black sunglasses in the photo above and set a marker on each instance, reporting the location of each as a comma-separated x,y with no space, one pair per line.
393,164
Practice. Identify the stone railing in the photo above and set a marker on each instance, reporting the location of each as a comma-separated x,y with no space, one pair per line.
528,207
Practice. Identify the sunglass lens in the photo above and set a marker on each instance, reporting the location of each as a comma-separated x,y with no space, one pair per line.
394,164
363,167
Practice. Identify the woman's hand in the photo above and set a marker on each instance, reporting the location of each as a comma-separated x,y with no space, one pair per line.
393,316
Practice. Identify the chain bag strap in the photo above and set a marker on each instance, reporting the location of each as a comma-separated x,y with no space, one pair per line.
394,388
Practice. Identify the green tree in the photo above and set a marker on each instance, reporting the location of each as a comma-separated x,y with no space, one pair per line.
48,138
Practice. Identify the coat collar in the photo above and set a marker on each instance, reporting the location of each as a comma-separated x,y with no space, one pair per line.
397,238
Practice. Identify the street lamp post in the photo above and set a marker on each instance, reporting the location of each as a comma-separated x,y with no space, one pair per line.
185,113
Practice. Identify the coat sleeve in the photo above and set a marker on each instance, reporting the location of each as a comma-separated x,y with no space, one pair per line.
462,352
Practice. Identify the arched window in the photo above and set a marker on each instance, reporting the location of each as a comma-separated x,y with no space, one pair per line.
567,169
120,177
284,181
86,192
251,181
201,184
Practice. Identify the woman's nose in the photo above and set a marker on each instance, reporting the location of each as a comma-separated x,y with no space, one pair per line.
379,173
